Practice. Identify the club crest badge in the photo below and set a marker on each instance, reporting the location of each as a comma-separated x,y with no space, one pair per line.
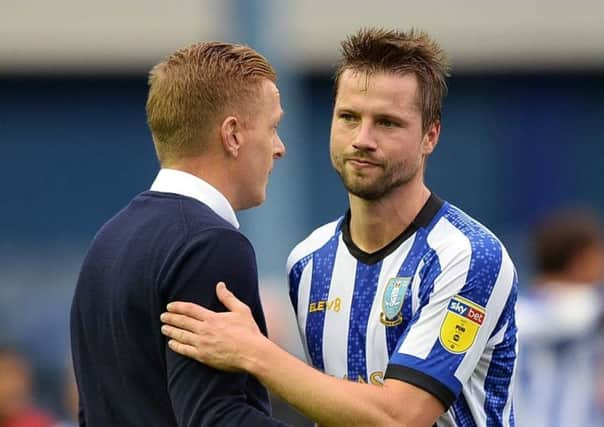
392,300
461,324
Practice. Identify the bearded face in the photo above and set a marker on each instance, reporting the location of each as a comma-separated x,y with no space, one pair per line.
371,178
377,140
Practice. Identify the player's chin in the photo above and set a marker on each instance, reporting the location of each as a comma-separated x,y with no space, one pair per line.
259,197
253,199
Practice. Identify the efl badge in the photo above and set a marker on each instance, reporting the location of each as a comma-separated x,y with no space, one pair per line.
462,322
392,301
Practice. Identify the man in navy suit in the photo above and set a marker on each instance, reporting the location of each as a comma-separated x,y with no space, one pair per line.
213,110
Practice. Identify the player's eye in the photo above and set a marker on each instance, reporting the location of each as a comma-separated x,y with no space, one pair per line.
347,117
387,123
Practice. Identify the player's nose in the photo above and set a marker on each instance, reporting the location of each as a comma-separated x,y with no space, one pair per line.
279,148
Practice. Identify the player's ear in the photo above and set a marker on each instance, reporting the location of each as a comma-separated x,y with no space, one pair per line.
431,138
231,136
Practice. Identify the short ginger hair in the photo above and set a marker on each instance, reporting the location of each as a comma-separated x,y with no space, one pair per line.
194,88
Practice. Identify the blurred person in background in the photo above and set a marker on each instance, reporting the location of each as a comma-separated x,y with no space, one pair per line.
406,304
16,398
560,322
213,110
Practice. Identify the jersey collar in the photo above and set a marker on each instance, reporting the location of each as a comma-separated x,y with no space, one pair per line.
423,219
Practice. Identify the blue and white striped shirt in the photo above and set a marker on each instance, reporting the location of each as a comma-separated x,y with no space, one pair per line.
434,308
561,366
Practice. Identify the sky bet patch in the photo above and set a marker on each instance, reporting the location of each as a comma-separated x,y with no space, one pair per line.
461,324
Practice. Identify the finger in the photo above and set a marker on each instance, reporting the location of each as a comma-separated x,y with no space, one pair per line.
189,309
229,300
179,335
184,349
182,322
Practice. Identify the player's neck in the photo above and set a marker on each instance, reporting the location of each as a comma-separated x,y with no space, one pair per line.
375,223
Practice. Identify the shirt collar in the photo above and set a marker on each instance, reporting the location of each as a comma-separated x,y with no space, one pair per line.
185,184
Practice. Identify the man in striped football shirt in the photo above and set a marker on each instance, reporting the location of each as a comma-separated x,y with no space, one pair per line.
406,303
561,322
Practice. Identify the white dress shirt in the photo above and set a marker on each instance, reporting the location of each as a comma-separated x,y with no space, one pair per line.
185,184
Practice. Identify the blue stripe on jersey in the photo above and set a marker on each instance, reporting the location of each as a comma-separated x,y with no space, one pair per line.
499,375
463,415
322,268
503,320
498,378
365,287
430,271
294,280
395,334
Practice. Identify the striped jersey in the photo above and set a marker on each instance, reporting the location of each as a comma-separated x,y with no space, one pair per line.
434,308
561,366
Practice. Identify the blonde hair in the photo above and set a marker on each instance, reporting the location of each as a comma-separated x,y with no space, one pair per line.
194,87
373,50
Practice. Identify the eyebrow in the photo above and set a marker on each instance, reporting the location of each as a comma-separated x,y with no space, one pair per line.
345,110
392,118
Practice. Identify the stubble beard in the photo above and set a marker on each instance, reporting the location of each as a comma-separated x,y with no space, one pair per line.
393,176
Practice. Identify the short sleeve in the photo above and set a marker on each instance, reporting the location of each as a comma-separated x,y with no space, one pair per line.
462,300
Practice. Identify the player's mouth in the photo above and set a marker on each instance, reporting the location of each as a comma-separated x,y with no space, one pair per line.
361,163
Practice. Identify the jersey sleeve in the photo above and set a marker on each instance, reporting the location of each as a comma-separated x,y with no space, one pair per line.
461,305
200,395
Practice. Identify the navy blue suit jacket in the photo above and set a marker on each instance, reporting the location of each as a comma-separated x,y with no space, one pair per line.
162,247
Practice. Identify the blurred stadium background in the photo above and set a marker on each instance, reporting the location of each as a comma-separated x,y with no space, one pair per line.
522,131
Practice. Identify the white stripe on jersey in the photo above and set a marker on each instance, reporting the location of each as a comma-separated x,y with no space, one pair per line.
421,338
446,420
377,358
314,241
303,301
335,330
415,287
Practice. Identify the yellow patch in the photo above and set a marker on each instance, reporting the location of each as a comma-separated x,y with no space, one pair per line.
461,324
